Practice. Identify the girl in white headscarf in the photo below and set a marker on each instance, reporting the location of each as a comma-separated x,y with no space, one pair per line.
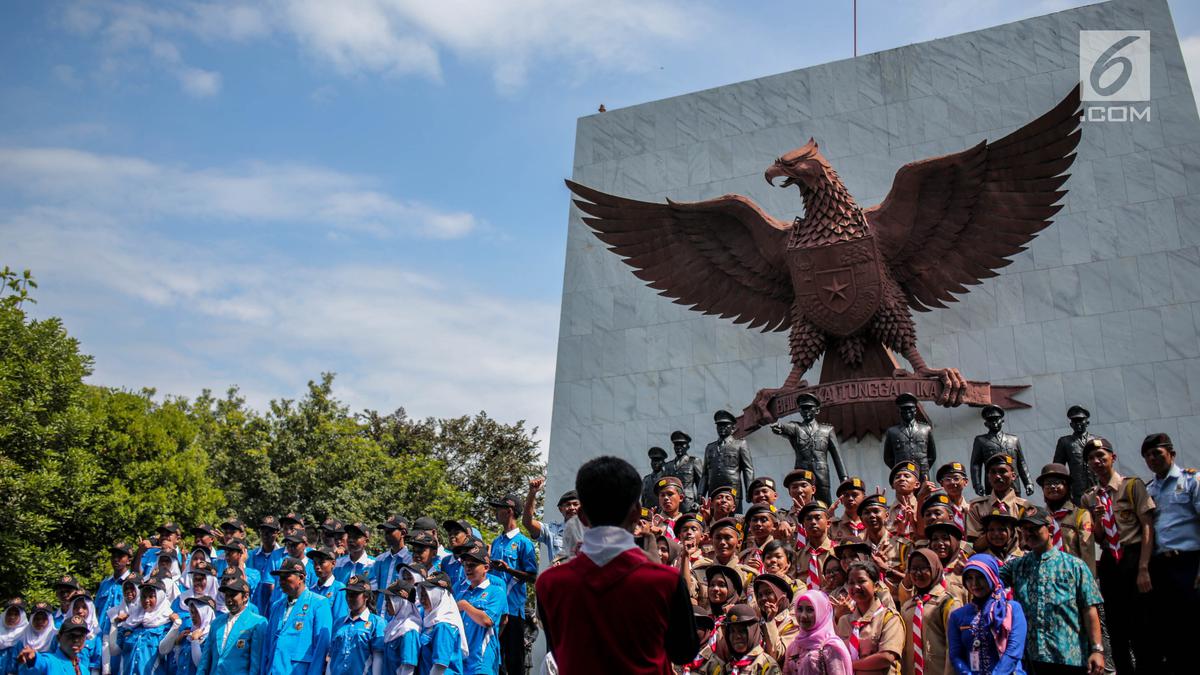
127,608
93,647
168,570
40,633
183,646
444,642
11,632
402,635
140,636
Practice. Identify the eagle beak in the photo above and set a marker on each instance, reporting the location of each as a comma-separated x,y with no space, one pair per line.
775,171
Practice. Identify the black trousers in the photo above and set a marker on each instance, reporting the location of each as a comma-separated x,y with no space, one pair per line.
1131,631
512,646
1176,602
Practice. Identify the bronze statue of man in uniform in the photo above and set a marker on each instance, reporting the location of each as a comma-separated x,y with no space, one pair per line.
911,440
1070,450
688,469
727,458
812,441
996,442
658,460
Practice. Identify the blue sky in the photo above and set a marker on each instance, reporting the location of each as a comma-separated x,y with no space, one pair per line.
251,193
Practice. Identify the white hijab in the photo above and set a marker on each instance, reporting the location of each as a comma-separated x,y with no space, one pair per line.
407,619
93,623
156,617
122,607
210,590
445,610
10,636
200,630
40,641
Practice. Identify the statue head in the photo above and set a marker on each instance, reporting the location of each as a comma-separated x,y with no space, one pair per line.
681,441
804,166
1080,419
658,458
725,422
907,405
993,418
809,405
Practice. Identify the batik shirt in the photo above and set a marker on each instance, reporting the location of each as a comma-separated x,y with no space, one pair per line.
1054,589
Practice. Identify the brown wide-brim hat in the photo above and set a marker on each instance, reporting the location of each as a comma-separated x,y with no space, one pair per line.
1054,470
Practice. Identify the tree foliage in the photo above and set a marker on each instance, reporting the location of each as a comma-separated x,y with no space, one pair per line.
83,466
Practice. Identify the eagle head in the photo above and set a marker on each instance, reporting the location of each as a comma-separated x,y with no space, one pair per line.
802,165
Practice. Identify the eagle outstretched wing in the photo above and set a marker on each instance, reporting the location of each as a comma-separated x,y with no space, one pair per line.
952,221
722,256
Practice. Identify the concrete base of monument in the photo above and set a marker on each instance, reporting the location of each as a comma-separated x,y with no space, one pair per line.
866,406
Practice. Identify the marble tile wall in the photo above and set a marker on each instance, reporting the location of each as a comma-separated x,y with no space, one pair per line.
1102,309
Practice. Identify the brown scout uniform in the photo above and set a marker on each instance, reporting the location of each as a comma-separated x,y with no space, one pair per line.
800,569
760,664
778,633
842,529
984,506
935,617
1078,536
884,633
1130,500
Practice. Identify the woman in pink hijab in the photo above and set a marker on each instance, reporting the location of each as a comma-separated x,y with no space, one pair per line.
817,649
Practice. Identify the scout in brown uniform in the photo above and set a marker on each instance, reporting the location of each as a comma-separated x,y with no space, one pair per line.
851,492
722,504
945,540
726,538
1000,536
937,508
773,596
723,589
850,551
739,651
887,551
705,632
1072,529
1124,511
810,560
1000,476
689,529
873,632
760,523
953,479
935,601
903,480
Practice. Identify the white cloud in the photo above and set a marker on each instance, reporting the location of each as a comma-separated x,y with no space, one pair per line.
256,192
200,83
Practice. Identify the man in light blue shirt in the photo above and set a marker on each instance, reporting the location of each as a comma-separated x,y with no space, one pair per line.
482,604
356,562
357,645
549,535
514,559
109,593
1175,567
299,630
386,567
265,559
237,638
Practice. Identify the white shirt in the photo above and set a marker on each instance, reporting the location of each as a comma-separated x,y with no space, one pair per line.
229,627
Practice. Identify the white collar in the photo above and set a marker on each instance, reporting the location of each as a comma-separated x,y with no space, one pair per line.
484,584
363,615
234,617
602,544
326,582
512,534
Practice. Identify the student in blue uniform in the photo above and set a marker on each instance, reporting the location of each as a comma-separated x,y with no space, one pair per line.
232,529
356,562
425,550
171,574
66,588
203,585
168,535
187,643
386,567
109,593
514,558
298,632
237,640
327,585
115,615
443,639
63,657
234,550
11,631
204,537
140,636
296,545
265,559
459,536
93,645
482,605
402,635
357,643
41,631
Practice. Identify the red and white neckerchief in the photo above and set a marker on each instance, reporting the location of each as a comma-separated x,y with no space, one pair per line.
918,635
736,666
901,525
1108,519
801,538
856,628
669,530
754,559
814,566
712,639
697,662
1056,533
1001,506
959,519
857,527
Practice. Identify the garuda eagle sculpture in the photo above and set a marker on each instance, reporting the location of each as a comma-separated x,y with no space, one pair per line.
843,279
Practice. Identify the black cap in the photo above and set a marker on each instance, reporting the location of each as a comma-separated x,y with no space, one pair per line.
1158,440
814,505
475,551
422,538
361,528
332,526
203,567
508,501
290,566
234,584
1035,515
851,542
997,514
121,548
936,499
990,411
41,607
154,582
949,527
1078,411
292,517
400,588
568,496
73,624
872,500
949,468
704,620
722,488
203,530
798,475
906,399
724,416
396,522
1000,458
233,525
666,482
427,523
728,572
269,523
168,528
358,584
725,523
807,399
451,526
19,603
438,579
851,483
679,436
202,600
688,518
234,544
762,481
67,581
656,452
322,553
297,537
910,467
777,581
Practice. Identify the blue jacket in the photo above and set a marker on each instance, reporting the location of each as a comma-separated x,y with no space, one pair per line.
53,663
338,609
241,653
298,641
139,650
961,636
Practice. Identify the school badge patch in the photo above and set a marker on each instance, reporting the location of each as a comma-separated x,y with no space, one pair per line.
241,644
299,625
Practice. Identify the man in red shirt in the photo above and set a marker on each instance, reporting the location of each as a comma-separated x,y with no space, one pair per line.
609,609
